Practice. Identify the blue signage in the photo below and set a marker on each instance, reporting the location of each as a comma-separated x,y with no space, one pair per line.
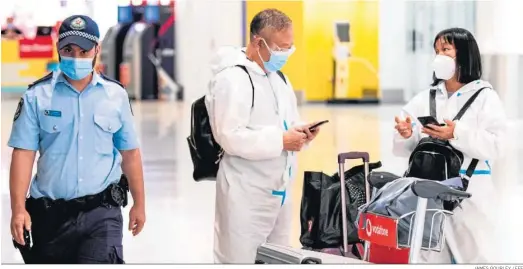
125,14
152,14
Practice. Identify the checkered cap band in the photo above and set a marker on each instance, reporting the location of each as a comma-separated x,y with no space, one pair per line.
80,34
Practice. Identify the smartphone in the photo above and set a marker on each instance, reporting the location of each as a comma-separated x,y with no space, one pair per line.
429,120
27,240
317,125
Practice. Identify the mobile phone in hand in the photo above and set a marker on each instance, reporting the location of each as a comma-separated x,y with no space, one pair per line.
429,120
317,125
27,241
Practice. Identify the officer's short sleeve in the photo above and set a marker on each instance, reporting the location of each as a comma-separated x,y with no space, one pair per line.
25,131
126,138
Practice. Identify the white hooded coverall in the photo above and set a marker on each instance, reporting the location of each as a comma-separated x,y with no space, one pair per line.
252,197
471,233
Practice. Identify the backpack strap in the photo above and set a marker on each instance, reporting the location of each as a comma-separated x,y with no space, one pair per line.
432,103
474,162
252,84
282,76
467,104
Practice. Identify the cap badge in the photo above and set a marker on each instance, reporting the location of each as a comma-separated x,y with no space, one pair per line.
78,24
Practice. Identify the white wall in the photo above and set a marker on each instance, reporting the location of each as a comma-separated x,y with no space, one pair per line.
499,26
105,13
500,39
404,72
501,42
202,27
393,48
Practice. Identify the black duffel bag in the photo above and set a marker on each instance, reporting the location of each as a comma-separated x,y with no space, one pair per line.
320,213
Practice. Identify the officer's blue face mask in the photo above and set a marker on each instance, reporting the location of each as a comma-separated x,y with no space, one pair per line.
277,59
76,68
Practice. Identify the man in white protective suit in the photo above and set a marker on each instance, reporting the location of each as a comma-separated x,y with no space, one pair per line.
472,234
260,135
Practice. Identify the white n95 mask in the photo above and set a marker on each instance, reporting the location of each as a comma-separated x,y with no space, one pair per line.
444,67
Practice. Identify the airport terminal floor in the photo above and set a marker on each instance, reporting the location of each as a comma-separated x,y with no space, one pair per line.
180,212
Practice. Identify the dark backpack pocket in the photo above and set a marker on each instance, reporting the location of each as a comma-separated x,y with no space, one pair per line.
428,165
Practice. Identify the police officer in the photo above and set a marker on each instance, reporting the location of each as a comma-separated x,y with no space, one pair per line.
81,124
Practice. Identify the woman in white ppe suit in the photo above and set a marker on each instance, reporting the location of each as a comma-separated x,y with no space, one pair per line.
260,141
479,134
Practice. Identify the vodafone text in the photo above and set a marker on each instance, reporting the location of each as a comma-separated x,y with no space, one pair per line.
377,230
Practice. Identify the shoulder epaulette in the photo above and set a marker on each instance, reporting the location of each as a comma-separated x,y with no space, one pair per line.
111,79
45,78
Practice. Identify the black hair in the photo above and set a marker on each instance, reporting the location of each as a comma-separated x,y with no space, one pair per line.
468,58
269,18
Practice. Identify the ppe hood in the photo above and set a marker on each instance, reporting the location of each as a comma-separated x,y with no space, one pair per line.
230,56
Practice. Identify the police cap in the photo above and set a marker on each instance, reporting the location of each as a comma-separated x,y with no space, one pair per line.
79,30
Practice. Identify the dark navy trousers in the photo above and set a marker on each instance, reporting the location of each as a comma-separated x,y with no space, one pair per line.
89,237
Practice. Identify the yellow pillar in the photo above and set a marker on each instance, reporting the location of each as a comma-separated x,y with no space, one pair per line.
319,39
311,68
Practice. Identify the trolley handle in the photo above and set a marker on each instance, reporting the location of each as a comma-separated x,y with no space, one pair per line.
352,156
379,181
432,189
342,157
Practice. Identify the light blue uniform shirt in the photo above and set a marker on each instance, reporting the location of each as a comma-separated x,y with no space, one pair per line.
78,135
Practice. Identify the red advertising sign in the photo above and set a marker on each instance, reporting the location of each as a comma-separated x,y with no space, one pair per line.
39,47
387,255
379,230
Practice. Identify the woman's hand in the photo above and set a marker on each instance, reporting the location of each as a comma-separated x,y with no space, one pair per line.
440,132
404,127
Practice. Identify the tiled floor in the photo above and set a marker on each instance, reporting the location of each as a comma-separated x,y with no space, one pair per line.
180,212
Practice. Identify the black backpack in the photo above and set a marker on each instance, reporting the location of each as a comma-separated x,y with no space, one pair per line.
436,159
206,153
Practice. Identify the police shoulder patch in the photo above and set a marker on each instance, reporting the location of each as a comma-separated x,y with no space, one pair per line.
19,108
111,80
45,78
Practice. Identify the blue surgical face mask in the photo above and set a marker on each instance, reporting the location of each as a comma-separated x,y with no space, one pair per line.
76,68
277,59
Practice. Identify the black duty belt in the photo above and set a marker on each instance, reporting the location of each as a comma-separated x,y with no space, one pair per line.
115,195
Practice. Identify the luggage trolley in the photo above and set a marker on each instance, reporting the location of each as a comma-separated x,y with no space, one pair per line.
380,233
381,247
